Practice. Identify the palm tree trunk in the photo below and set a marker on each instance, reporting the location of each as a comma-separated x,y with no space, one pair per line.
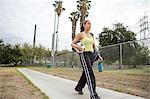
82,19
73,28
57,35
80,22
53,42
73,36
57,38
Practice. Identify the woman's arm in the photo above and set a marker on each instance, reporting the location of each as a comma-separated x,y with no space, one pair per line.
94,47
76,39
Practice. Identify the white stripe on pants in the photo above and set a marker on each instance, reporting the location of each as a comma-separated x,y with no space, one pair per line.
85,68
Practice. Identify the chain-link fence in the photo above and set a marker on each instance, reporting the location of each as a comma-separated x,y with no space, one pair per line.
127,54
123,55
70,60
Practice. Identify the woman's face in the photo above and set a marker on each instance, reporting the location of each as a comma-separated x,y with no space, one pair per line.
87,25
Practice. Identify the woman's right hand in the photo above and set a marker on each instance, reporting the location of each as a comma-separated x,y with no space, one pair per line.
77,38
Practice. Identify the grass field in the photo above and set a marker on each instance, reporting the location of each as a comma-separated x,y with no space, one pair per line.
133,81
13,85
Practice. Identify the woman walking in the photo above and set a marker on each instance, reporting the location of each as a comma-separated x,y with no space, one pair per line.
87,59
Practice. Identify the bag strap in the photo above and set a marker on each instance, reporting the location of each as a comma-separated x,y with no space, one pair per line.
92,35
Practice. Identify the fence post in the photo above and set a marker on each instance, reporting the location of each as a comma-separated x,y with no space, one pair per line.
120,56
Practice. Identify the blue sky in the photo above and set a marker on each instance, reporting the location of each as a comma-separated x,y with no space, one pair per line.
18,17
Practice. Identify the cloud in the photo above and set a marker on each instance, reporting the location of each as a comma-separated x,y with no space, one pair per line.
10,38
18,17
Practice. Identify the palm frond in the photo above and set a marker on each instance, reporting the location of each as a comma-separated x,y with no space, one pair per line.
58,7
63,9
54,5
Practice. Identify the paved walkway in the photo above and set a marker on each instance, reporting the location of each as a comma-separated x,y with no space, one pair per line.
60,88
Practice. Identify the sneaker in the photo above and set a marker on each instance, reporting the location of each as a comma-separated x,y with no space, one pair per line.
96,97
79,91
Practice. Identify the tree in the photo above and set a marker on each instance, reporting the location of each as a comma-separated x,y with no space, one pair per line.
83,7
142,56
58,9
7,54
10,54
133,53
40,53
27,52
1,50
118,34
17,55
14,54
74,18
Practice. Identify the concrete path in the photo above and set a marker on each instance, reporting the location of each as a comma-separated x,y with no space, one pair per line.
60,88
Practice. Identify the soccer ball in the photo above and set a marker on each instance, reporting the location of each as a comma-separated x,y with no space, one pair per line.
81,45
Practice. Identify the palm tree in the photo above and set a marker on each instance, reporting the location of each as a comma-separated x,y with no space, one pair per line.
83,7
74,16
58,9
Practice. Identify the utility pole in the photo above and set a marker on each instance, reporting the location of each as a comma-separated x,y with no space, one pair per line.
34,40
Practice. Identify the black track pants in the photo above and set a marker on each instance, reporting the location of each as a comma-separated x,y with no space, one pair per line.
88,77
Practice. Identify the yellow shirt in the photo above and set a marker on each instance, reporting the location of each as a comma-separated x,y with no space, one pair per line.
88,43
